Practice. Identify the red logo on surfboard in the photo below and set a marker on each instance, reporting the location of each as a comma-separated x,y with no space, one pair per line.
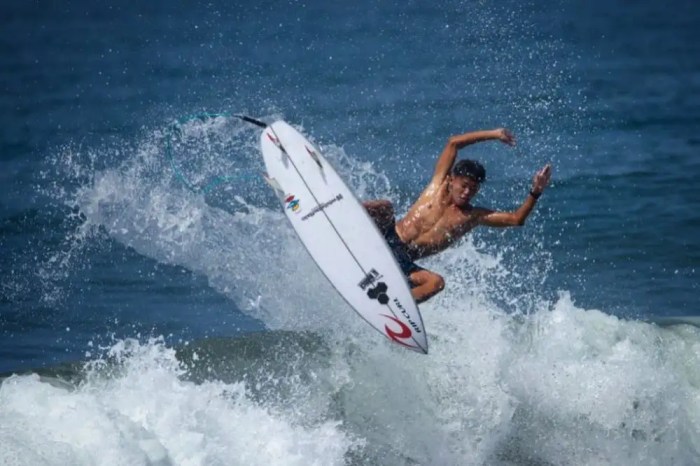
293,203
403,333
314,156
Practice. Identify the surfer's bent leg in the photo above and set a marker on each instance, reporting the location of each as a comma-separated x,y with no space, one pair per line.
426,284
382,212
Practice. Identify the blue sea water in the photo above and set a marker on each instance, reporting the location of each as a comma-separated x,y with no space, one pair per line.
142,322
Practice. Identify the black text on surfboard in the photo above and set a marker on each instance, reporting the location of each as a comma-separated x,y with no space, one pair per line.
415,326
371,277
320,207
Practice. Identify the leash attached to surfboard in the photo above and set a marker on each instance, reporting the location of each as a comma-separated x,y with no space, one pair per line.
276,141
252,120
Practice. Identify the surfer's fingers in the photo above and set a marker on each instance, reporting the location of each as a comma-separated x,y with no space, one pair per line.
507,137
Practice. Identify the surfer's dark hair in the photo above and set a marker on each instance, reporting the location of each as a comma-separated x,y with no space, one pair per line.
471,169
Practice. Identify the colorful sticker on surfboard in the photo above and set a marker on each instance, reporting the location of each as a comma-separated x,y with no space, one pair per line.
292,203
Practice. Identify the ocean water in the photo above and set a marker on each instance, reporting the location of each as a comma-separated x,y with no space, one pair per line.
157,309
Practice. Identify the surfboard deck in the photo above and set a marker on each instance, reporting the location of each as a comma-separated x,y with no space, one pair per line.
340,236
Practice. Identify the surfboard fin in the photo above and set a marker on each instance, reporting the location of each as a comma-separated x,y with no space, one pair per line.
275,141
279,192
314,156
273,138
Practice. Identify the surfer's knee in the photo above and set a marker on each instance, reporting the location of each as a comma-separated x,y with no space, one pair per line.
381,210
427,278
379,205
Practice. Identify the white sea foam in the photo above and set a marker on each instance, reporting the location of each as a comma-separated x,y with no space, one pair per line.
512,376
145,414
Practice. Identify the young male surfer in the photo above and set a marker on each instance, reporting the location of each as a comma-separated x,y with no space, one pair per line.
443,212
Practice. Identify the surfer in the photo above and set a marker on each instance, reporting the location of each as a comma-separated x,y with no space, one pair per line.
443,212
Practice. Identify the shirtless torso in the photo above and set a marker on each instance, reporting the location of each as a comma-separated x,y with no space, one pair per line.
443,212
433,223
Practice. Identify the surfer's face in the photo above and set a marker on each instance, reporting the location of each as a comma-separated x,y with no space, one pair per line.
463,189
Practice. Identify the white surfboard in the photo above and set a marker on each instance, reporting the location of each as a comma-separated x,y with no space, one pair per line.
340,236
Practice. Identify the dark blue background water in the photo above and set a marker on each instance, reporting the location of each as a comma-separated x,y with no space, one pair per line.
609,92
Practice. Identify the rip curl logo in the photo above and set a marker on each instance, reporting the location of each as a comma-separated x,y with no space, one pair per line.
398,335
293,203
403,332
405,313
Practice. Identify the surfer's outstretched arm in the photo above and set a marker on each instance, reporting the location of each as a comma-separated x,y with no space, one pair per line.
455,143
490,218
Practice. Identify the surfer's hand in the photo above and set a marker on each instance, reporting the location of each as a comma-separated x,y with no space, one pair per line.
505,136
541,179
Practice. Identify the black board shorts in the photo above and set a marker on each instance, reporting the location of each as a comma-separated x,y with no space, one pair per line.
401,252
